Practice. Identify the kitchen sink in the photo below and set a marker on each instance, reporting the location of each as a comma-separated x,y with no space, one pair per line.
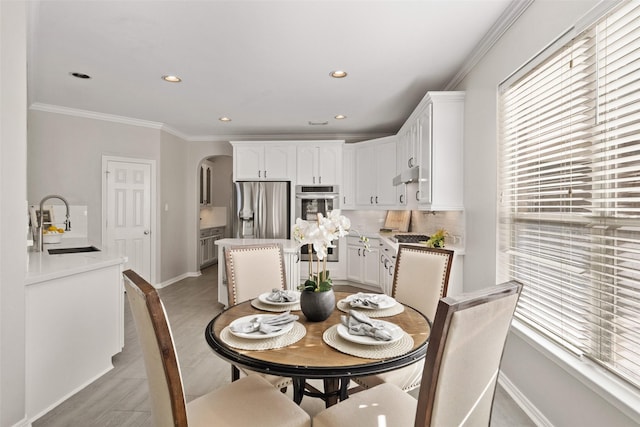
73,250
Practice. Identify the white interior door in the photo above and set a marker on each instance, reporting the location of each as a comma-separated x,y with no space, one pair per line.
128,224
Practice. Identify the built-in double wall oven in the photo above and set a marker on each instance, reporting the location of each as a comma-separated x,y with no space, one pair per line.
312,200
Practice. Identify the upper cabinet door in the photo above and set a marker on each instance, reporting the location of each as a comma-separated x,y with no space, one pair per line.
248,162
307,164
319,164
441,126
279,162
348,177
263,161
329,164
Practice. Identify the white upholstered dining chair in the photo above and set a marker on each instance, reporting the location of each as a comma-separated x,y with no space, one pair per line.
420,279
460,369
226,406
253,270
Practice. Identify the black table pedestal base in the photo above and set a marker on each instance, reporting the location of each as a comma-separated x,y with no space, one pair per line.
335,389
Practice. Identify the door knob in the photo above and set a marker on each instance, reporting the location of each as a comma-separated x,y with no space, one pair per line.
146,232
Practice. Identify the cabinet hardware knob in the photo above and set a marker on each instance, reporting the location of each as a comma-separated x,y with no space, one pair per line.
401,197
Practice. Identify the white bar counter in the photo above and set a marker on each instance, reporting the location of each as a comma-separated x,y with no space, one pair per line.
74,322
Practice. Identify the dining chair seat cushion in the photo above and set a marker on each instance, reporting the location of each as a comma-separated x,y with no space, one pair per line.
384,405
407,378
250,401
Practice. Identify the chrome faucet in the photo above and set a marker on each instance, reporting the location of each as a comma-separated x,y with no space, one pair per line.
40,230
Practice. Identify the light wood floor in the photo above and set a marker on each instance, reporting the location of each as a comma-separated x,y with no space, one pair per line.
119,398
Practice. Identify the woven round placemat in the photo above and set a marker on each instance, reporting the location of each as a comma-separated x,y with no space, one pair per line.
381,351
343,305
294,335
256,303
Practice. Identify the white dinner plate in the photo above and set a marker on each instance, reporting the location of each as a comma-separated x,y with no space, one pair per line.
258,335
395,330
263,298
384,301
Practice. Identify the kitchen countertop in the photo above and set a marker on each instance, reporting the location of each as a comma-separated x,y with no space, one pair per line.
43,267
288,245
386,236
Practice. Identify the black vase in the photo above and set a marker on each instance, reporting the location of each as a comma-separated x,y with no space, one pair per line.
317,306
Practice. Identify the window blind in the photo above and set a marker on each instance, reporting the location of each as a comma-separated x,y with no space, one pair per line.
569,181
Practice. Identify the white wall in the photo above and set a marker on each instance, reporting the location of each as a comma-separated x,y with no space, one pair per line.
173,207
561,398
13,208
65,157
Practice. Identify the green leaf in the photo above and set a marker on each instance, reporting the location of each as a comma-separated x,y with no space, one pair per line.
325,285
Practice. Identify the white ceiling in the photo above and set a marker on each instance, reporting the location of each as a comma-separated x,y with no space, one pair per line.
265,64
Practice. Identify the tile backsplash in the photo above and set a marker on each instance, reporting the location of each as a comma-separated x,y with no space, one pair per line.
424,222
429,222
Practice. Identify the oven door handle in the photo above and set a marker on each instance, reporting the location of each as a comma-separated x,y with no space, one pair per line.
323,196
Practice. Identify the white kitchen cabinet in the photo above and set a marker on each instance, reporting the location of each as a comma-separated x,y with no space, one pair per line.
363,265
374,175
319,163
263,161
440,131
407,147
387,267
208,250
348,177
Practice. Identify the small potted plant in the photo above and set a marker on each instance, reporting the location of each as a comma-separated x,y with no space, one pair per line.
437,239
317,300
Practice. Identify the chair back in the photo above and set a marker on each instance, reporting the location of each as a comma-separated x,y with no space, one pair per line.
163,372
253,270
464,354
421,277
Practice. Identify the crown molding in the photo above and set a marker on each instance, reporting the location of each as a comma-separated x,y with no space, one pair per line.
504,22
94,115
198,138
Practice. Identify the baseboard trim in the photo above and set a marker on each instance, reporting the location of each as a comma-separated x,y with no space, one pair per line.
521,400
176,279
22,423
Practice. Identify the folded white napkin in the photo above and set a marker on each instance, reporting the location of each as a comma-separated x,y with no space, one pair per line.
358,323
266,324
280,295
365,300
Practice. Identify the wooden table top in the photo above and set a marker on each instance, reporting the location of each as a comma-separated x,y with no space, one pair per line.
311,357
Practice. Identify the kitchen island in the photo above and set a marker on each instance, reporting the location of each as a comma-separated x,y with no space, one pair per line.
74,322
291,253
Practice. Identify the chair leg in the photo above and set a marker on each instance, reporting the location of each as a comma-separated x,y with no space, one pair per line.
235,373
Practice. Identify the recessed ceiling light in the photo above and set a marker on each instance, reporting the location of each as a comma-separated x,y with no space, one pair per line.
81,75
338,74
224,119
340,117
171,79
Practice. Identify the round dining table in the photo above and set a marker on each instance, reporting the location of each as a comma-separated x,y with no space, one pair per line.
311,357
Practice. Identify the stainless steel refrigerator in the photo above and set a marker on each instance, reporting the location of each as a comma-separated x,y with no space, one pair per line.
261,210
